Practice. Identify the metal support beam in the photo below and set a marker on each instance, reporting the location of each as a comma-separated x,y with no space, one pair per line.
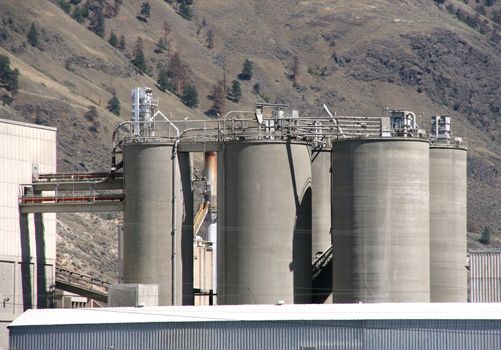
71,207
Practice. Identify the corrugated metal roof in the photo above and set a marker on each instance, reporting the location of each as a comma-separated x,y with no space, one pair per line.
28,125
167,314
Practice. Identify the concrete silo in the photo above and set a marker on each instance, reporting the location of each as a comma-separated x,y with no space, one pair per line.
321,222
264,227
148,220
380,219
448,275
321,200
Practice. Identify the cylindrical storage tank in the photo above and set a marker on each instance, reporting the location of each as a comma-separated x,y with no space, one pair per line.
321,222
264,227
321,201
448,275
147,232
380,219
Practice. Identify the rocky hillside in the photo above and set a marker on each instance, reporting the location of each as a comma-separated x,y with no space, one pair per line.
357,56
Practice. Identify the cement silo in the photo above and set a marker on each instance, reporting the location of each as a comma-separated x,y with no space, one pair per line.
380,218
321,221
264,227
148,220
321,200
448,275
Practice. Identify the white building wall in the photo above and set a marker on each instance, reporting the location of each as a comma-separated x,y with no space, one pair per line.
21,146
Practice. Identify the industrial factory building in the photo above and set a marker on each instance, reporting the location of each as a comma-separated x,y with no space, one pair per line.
249,327
298,210
28,242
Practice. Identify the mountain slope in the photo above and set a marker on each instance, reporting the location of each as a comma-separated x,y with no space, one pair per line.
358,57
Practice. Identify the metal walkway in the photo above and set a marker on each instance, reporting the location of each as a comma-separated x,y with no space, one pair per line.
77,192
82,285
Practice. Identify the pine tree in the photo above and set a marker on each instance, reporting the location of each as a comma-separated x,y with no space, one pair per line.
190,96
97,23
33,36
256,89
163,80
139,60
185,11
122,44
86,9
8,76
218,97
160,45
485,236
166,29
177,73
77,14
113,40
210,39
114,105
246,70
145,10
236,91
295,71
65,6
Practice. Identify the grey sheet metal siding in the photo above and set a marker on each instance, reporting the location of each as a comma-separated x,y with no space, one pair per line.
485,276
277,335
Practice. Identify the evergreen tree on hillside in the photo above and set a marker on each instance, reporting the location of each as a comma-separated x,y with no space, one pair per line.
185,10
190,96
114,105
163,81
218,97
122,43
77,14
97,22
65,5
295,71
166,30
145,11
139,60
246,73
177,73
256,89
113,39
33,36
210,39
485,237
235,91
86,9
8,76
160,46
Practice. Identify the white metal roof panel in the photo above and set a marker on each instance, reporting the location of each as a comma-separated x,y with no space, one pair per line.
28,125
167,314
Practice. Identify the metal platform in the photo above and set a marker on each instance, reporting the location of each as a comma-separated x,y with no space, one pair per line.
74,192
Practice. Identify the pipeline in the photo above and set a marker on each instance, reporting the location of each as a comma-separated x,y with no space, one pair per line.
174,221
